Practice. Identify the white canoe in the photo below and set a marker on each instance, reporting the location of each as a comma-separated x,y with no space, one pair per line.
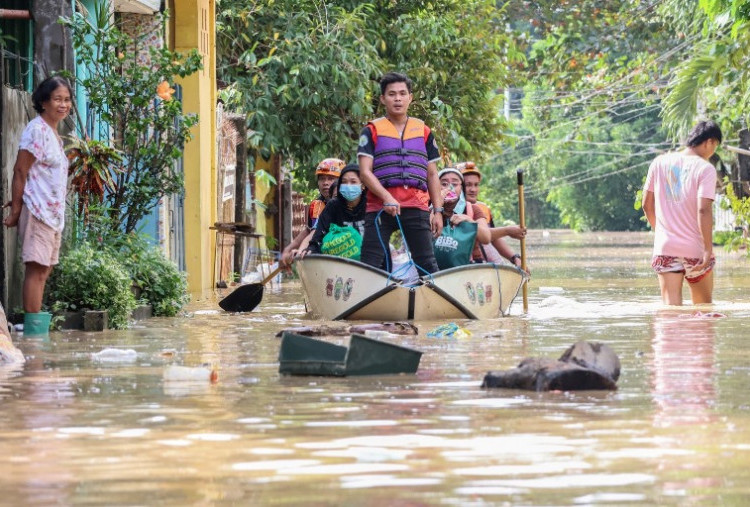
337,288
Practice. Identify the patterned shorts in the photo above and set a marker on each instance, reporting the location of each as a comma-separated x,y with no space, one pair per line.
687,265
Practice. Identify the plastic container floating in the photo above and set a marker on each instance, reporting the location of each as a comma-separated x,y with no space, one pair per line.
36,323
175,373
111,355
302,355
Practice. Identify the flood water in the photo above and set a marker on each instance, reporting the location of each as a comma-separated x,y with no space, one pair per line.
77,431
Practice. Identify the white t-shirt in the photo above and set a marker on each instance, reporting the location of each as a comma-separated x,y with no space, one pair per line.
46,185
678,182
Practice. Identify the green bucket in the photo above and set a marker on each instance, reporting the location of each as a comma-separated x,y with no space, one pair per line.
36,323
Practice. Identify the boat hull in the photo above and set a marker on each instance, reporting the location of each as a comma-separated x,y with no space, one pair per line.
338,288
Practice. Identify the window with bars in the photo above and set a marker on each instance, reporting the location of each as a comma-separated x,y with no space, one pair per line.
17,48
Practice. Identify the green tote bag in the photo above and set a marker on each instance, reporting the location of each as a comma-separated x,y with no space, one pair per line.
342,241
454,245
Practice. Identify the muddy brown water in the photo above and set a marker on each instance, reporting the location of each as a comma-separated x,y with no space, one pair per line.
76,431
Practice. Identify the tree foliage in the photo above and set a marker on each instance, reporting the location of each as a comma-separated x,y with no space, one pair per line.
713,78
133,101
307,71
596,88
585,108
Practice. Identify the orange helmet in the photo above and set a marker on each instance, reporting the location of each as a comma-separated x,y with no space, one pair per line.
469,168
330,166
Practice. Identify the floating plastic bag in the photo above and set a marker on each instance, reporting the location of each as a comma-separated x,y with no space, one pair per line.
111,355
409,275
450,330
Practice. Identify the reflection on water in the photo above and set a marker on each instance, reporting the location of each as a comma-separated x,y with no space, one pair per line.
684,368
79,430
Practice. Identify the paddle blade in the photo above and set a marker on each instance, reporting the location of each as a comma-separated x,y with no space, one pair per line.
243,299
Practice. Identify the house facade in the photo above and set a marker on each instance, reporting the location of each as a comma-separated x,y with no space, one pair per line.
40,46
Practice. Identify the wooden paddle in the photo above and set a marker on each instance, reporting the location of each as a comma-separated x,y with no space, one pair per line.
522,220
246,297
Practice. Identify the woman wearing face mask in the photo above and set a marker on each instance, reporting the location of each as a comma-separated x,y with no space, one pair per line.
346,209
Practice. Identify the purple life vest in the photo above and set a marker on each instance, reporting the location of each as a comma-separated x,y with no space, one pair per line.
400,160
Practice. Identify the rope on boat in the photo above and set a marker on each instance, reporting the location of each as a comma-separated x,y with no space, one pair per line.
402,270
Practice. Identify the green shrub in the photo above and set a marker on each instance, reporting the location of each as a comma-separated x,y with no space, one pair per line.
727,238
93,278
161,283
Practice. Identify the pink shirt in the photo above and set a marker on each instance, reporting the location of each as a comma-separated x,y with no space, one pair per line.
46,185
678,182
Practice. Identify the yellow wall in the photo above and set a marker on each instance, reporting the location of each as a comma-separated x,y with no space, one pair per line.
194,26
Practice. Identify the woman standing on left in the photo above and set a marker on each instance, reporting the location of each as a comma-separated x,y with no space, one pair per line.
40,178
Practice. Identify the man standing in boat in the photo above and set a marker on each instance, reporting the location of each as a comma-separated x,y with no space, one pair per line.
497,248
327,173
397,158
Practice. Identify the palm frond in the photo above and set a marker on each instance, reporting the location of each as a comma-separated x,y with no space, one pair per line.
680,104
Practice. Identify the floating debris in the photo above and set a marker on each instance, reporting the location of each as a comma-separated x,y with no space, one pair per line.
584,366
394,328
112,355
450,330
702,315
175,373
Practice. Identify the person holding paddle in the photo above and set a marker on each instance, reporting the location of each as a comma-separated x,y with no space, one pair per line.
497,249
327,172
678,202
397,157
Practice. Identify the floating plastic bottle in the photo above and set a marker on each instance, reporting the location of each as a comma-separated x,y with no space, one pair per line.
175,373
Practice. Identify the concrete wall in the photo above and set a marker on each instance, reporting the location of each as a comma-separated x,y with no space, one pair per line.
52,47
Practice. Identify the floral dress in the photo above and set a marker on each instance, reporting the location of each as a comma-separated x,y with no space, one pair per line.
46,184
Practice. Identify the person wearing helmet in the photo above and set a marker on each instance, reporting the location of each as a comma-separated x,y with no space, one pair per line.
397,157
497,248
327,172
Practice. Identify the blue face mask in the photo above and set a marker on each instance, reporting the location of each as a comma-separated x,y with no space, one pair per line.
461,206
350,192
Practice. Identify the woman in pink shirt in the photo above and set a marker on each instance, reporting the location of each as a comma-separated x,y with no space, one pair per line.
678,201
40,179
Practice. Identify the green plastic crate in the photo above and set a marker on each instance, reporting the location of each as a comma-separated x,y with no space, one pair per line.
302,355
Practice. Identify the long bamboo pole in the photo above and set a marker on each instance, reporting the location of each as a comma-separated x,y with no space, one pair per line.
522,220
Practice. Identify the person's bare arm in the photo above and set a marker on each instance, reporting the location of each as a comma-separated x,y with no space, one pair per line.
287,255
436,197
503,248
483,231
649,208
706,225
390,205
508,253
514,231
24,160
